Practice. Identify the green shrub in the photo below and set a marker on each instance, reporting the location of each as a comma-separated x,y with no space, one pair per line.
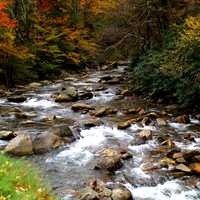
173,70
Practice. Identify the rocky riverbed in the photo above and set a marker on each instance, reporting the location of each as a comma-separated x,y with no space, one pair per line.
93,139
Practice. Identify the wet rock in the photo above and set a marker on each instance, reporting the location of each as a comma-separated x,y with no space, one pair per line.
146,134
88,194
88,123
181,160
146,121
152,115
161,122
100,113
121,193
183,168
85,95
62,131
183,119
171,107
46,141
141,112
178,155
195,167
35,85
124,125
125,92
110,160
67,94
17,99
7,135
21,145
21,115
81,107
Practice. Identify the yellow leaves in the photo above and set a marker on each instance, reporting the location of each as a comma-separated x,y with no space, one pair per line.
22,187
3,198
191,30
75,57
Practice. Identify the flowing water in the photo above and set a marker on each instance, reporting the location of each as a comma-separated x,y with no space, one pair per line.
70,167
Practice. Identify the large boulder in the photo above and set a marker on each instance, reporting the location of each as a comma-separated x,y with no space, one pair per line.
46,141
21,145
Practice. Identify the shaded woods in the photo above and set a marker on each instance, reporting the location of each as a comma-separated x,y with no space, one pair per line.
42,38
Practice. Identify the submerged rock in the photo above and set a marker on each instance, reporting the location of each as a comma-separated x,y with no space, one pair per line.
17,99
81,107
91,122
184,119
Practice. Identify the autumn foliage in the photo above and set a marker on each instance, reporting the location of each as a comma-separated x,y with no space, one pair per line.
5,20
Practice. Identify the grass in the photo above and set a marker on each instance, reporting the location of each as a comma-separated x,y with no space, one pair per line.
19,181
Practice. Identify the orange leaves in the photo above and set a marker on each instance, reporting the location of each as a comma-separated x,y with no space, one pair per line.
5,20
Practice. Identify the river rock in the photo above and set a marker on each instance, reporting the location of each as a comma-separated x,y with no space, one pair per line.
124,125
101,112
184,119
7,135
88,194
195,167
85,95
146,134
146,121
46,141
21,145
68,94
110,160
183,168
35,85
81,107
121,193
91,122
16,99
62,131
161,122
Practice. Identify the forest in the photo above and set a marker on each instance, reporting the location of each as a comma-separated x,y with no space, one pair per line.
100,98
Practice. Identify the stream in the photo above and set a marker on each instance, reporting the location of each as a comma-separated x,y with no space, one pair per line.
69,167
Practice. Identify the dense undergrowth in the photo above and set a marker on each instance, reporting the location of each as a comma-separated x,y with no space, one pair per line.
171,72
19,181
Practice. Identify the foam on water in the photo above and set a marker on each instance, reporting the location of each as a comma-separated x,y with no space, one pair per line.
171,190
44,103
143,147
2,101
189,147
135,127
179,126
138,172
81,152
104,96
